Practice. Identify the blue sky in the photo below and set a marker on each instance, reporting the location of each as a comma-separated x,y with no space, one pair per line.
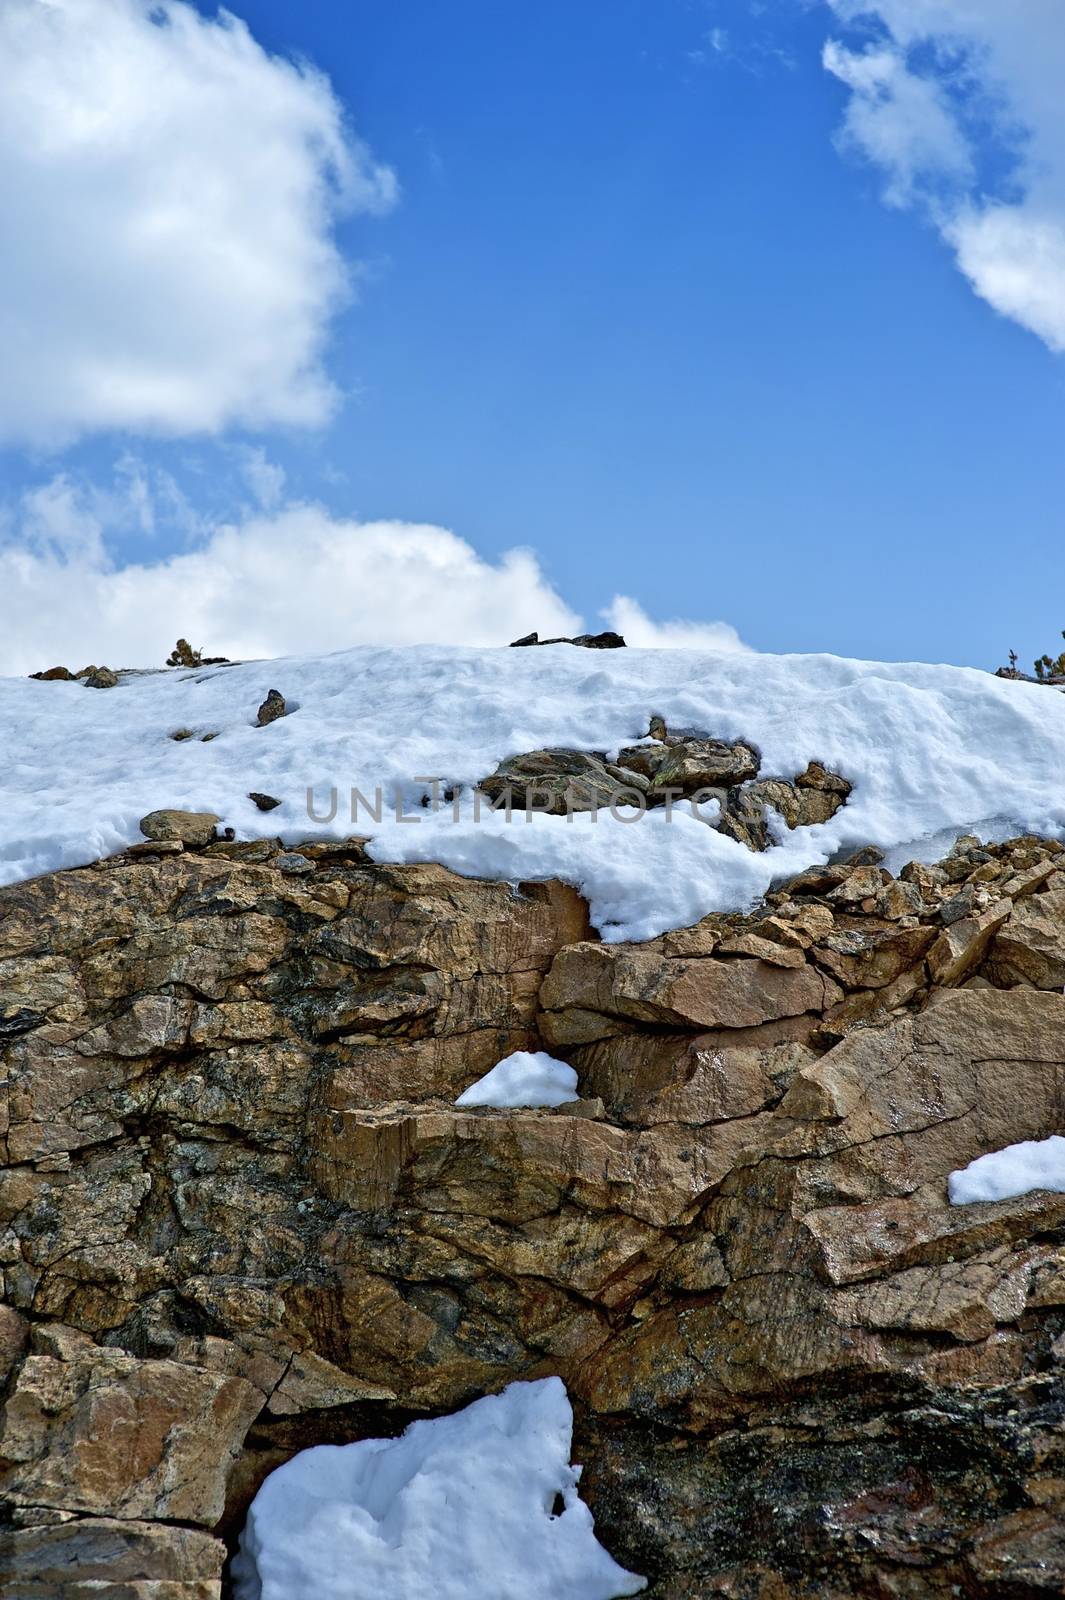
639,307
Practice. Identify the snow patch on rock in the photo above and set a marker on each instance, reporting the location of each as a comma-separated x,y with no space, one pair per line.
1015,1170
459,1508
526,1078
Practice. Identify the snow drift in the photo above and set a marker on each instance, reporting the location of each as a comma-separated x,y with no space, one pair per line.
931,751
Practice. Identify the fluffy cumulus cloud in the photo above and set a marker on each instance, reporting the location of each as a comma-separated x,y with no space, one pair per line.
294,580
936,83
628,617
169,192
282,579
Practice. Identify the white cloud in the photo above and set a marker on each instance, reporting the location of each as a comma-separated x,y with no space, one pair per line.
900,121
168,191
943,77
265,478
278,584
628,618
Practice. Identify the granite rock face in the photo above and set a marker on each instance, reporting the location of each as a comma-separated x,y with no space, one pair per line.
240,1213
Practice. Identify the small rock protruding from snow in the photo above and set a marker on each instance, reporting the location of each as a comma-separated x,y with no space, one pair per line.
1015,1170
272,708
526,1078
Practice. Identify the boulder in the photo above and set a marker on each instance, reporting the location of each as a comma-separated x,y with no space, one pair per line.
612,982
191,828
1030,947
105,1558
556,781
105,1433
691,764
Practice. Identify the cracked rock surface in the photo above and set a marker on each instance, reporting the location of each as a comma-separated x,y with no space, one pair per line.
240,1213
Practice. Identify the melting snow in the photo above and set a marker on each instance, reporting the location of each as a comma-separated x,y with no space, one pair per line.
460,1508
1016,1169
526,1078
931,750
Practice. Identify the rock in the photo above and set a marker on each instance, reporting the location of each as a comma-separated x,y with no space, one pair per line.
104,1433
611,981
240,1215
778,953
588,641
293,862
962,945
556,781
743,815
155,847
1026,1547
101,678
869,855
1030,948
54,675
861,883
272,708
816,776
111,1559
191,828
868,956
675,765
265,802
691,764
816,880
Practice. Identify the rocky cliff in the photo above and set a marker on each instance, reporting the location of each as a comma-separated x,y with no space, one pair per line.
241,1214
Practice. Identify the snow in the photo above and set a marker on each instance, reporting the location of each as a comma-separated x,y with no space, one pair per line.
526,1078
459,1508
932,751
1016,1169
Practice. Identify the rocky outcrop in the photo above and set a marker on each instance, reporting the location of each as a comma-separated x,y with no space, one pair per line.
240,1213
668,768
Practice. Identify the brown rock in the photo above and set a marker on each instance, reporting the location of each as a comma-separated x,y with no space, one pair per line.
272,707
1026,1548
691,764
776,952
101,678
105,1433
816,776
871,956
861,883
558,781
697,993
192,828
962,945
1031,946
